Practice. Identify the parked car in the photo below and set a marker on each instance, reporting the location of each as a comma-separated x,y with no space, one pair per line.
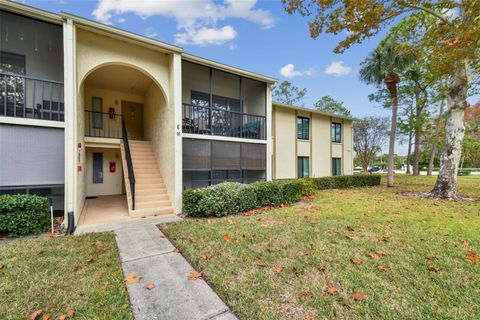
373,169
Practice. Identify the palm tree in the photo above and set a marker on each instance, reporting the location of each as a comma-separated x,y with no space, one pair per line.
383,66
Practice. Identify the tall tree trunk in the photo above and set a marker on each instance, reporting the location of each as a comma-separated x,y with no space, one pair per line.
409,151
433,152
391,81
446,184
416,151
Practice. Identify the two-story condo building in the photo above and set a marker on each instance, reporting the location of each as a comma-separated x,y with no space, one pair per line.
96,117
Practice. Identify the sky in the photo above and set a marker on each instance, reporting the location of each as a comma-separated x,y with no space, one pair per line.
258,36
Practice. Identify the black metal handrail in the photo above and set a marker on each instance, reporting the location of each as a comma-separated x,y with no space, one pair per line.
31,97
131,173
103,124
220,122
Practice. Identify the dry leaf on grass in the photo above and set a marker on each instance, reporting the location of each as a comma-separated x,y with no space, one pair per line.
464,242
277,269
35,314
331,291
261,263
194,275
47,317
357,261
70,313
206,256
381,252
263,309
433,268
472,257
13,259
382,268
150,286
131,278
101,249
306,296
358,296
373,256
430,257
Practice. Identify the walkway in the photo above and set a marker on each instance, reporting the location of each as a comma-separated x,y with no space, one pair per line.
146,252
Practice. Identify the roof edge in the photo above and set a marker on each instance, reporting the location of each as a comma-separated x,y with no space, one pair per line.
228,68
29,11
120,33
328,114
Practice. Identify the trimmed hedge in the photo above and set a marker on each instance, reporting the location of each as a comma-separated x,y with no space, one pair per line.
229,198
23,214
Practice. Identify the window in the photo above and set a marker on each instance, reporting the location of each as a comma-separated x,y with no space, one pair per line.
12,63
303,167
336,132
97,167
302,128
336,166
97,113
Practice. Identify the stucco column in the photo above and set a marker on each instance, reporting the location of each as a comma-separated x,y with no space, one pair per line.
269,132
176,105
70,115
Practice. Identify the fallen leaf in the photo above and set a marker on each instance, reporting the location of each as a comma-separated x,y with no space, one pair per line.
373,256
49,306
98,243
464,242
305,296
207,256
294,270
331,291
322,268
350,237
69,314
13,259
47,317
99,275
226,238
131,278
277,269
308,317
430,257
35,314
375,239
176,250
381,252
472,257
432,268
357,261
150,286
209,221
303,254
90,260
382,268
102,249
263,309
194,275
358,296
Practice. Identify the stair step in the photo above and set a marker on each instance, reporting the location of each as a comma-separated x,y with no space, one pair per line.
152,211
142,197
162,192
152,204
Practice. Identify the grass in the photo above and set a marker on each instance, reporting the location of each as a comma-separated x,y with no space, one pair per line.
72,273
280,263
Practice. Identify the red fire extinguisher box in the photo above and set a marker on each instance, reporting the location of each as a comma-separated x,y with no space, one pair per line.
113,166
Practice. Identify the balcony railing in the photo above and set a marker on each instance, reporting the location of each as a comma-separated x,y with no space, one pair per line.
29,97
103,125
220,122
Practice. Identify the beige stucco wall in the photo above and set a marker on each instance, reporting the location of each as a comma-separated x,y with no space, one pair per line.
92,51
159,127
319,147
284,144
112,181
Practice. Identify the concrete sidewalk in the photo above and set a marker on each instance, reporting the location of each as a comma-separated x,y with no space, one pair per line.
146,252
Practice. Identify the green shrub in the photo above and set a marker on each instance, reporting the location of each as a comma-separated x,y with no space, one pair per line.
267,193
229,198
219,200
351,181
23,214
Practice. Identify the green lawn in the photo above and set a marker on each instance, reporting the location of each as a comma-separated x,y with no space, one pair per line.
280,264
72,273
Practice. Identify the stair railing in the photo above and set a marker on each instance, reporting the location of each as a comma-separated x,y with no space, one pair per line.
131,173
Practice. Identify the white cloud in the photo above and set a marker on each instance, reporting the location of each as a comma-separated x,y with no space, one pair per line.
337,68
205,36
120,20
288,71
197,19
151,32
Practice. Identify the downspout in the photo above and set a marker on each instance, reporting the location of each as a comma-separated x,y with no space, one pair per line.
71,223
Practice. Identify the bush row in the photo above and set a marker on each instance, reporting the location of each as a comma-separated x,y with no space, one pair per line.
23,214
229,198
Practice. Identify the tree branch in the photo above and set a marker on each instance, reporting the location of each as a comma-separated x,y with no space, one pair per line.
425,9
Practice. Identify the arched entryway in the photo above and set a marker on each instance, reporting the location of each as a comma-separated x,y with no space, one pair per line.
121,177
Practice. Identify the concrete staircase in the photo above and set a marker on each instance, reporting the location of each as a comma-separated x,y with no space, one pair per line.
151,196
